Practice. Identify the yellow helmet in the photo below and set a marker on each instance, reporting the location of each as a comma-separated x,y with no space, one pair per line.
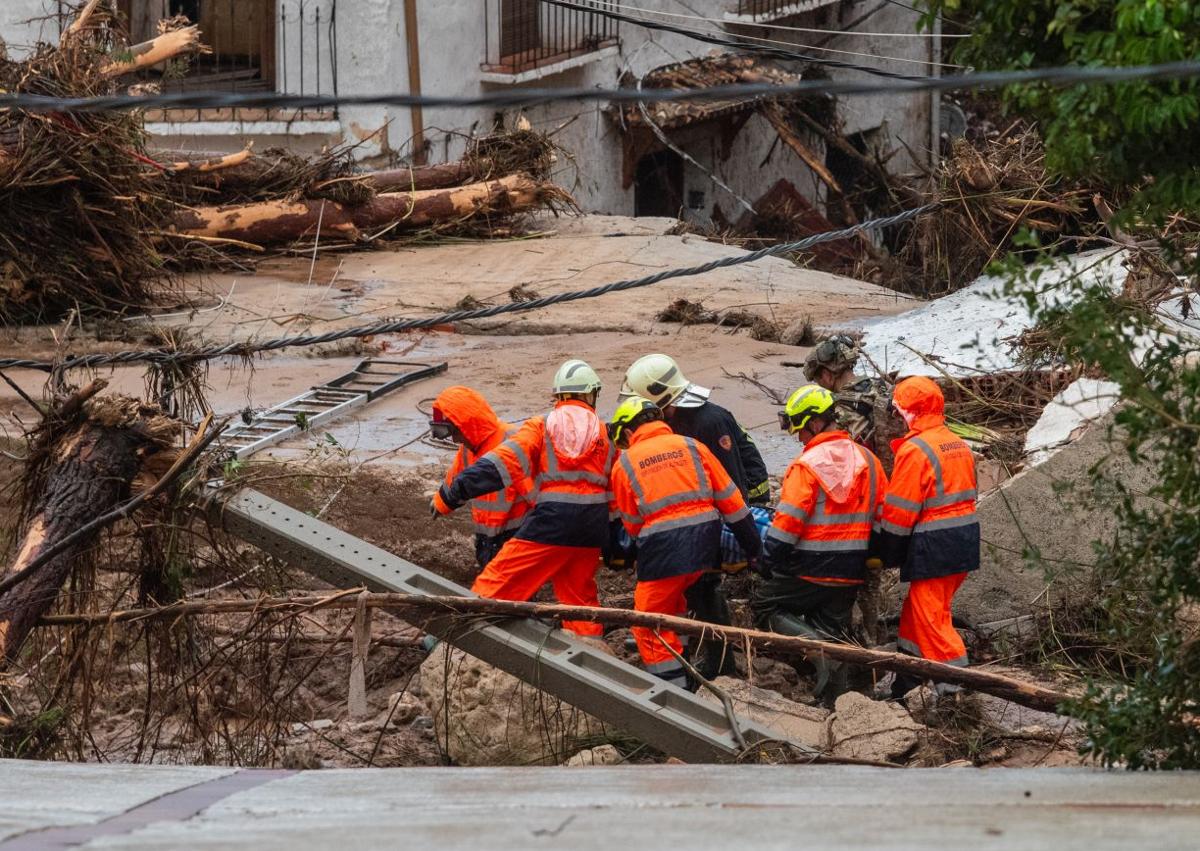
809,401
632,412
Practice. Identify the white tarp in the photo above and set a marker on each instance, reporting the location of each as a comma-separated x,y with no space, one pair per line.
972,331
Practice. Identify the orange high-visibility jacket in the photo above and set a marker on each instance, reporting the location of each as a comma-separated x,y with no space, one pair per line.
502,511
568,457
928,525
831,497
673,495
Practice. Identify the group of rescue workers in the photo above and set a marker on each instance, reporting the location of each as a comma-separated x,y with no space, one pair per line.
675,488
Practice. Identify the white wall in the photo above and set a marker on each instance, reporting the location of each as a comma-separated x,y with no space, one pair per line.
20,30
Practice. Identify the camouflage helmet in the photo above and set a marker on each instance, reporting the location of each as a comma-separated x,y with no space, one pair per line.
837,354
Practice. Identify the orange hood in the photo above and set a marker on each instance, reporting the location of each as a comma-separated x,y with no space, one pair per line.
470,412
920,401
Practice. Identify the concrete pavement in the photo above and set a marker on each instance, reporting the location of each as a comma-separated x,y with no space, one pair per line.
684,806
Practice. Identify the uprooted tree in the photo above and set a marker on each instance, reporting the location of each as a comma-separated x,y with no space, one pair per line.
1139,137
86,456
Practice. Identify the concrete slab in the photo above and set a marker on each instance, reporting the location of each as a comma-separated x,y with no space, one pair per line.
696,807
38,795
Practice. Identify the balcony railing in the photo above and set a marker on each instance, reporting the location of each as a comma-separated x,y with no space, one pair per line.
258,46
772,10
526,34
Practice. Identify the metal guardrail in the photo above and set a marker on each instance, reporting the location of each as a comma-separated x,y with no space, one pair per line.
665,716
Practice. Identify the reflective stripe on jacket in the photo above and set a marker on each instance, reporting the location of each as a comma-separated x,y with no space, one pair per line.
570,491
494,513
928,526
831,498
674,496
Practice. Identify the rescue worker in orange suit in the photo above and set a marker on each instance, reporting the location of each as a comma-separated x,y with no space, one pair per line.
928,527
815,554
463,416
673,495
688,410
567,457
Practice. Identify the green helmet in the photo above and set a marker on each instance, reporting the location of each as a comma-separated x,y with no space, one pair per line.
837,354
631,413
809,401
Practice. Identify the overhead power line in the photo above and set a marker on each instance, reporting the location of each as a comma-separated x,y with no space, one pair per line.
749,42
1067,75
792,55
161,356
781,27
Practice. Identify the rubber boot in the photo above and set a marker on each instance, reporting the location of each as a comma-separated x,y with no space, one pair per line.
831,676
712,657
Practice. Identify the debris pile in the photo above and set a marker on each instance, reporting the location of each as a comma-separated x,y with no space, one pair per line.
122,217
80,182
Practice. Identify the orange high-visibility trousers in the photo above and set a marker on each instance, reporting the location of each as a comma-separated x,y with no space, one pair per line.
664,597
522,567
926,628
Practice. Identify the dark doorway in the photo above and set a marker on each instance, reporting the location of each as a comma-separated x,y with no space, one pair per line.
658,185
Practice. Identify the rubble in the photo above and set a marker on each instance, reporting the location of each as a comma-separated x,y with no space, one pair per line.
801,723
483,716
863,728
599,755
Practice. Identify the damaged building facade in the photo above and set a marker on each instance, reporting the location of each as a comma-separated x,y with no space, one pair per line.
710,164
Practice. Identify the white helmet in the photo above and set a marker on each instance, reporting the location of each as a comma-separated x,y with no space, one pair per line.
659,379
575,376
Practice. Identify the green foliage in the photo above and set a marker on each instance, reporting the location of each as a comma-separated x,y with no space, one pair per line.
32,737
1118,133
1145,713
1138,138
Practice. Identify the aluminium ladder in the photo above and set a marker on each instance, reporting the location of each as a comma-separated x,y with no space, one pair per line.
323,403
671,719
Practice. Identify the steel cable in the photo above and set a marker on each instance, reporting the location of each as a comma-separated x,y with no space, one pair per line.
1059,76
245,349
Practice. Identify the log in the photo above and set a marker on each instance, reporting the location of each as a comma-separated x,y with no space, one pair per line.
275,222
211,164
147,53
1008,688
90,469
81,21
422,177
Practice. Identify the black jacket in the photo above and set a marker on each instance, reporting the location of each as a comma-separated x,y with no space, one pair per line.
717,429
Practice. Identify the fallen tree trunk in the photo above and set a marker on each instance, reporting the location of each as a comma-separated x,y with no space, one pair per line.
90,467
159,49
425,176
1024,693
275,222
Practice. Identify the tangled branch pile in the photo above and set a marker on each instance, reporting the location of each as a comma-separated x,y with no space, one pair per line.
990,192
78,205
90,219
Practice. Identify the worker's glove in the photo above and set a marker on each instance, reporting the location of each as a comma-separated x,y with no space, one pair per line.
874,564
441,505
761,568
734,567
